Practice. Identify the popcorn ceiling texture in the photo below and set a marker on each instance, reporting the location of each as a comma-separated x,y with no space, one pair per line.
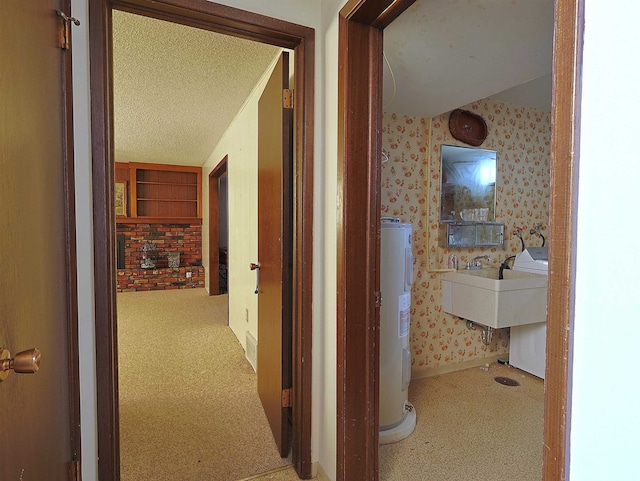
176,89
411,191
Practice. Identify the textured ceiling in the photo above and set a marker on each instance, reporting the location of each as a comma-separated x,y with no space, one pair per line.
448,53
176,89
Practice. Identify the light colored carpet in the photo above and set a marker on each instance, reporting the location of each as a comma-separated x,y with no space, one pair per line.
282,474
189,408
471,428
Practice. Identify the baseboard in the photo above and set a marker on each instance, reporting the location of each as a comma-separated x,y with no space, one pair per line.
252,351
268,473
319,473
453,367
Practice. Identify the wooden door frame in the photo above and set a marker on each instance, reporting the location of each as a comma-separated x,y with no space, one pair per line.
361,24
71,252
214,226
238,23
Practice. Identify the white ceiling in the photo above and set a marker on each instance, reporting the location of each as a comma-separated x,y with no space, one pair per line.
177,88
447,53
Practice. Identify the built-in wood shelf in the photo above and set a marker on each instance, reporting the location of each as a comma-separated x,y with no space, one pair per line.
161,192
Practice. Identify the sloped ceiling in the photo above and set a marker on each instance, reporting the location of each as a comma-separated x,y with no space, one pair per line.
176,89
448,53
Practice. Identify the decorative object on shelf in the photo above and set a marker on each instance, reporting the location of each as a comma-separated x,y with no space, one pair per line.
148,252
121,198
468,127
173,258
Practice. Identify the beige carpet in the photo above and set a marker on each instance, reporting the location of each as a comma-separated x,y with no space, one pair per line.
471,428
189,408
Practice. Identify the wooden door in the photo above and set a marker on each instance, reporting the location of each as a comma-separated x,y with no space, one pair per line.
38,424
275,253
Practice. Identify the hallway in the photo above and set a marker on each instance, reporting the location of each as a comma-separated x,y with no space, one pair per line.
189,407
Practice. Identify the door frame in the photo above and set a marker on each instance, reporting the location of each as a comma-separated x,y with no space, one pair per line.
71,252
242,24
214,226
361,24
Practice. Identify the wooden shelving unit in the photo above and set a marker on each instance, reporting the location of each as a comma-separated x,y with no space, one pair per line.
163,193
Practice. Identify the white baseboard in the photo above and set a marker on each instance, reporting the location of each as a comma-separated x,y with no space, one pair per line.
319,473
252,351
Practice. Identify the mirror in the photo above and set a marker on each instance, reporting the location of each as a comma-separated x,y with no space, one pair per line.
468,184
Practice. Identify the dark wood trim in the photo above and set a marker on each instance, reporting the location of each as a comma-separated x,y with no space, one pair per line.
565,146
104,240
359,124
71,253
359,110
231,21
214,226
227,20
303,162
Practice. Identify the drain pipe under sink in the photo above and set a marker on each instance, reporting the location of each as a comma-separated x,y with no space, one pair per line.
486,331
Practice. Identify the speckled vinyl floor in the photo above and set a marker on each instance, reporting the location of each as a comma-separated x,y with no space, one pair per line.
471,428
181,419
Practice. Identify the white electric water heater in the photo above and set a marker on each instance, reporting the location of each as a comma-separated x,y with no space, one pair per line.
397,415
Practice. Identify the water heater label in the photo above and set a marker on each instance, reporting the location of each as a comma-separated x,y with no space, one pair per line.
404,310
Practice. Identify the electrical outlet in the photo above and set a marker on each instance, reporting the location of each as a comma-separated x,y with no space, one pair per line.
188,275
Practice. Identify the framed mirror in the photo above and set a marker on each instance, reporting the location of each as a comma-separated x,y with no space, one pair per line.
468,184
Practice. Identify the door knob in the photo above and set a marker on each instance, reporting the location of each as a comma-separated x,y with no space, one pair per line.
255,266
25,362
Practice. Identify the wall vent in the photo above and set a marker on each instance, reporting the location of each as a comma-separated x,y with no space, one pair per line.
252,351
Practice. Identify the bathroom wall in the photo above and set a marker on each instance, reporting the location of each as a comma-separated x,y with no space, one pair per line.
411,191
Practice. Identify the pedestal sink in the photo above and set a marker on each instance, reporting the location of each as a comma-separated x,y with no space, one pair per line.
478,295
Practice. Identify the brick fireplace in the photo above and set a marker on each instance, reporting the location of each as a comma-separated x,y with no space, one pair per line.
183,238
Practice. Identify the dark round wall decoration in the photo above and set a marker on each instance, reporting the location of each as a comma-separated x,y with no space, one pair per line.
467,127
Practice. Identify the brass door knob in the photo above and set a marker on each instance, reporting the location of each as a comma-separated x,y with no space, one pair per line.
25,362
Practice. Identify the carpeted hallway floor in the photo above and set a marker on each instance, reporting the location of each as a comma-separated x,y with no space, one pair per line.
189,408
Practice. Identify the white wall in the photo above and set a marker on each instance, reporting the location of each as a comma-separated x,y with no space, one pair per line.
605,424
223,212
240,144
84,241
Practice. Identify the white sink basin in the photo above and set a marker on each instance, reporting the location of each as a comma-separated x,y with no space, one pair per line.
520,298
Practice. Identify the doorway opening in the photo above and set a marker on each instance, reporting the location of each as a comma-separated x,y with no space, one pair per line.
360,113
218,229
237,23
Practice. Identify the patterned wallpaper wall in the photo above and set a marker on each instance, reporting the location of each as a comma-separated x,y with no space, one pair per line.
411,191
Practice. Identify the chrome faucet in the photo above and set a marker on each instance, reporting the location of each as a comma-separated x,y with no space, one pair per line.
476,262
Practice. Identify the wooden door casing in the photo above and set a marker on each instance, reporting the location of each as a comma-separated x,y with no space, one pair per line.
360,113
214,226
275,252
239,23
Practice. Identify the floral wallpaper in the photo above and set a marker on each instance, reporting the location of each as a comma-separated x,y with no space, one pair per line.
411,191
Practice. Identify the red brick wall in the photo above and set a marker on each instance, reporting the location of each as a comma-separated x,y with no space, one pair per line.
184,238
159,279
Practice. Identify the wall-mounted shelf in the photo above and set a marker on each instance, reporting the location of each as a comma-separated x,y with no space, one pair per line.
162,191
471,234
